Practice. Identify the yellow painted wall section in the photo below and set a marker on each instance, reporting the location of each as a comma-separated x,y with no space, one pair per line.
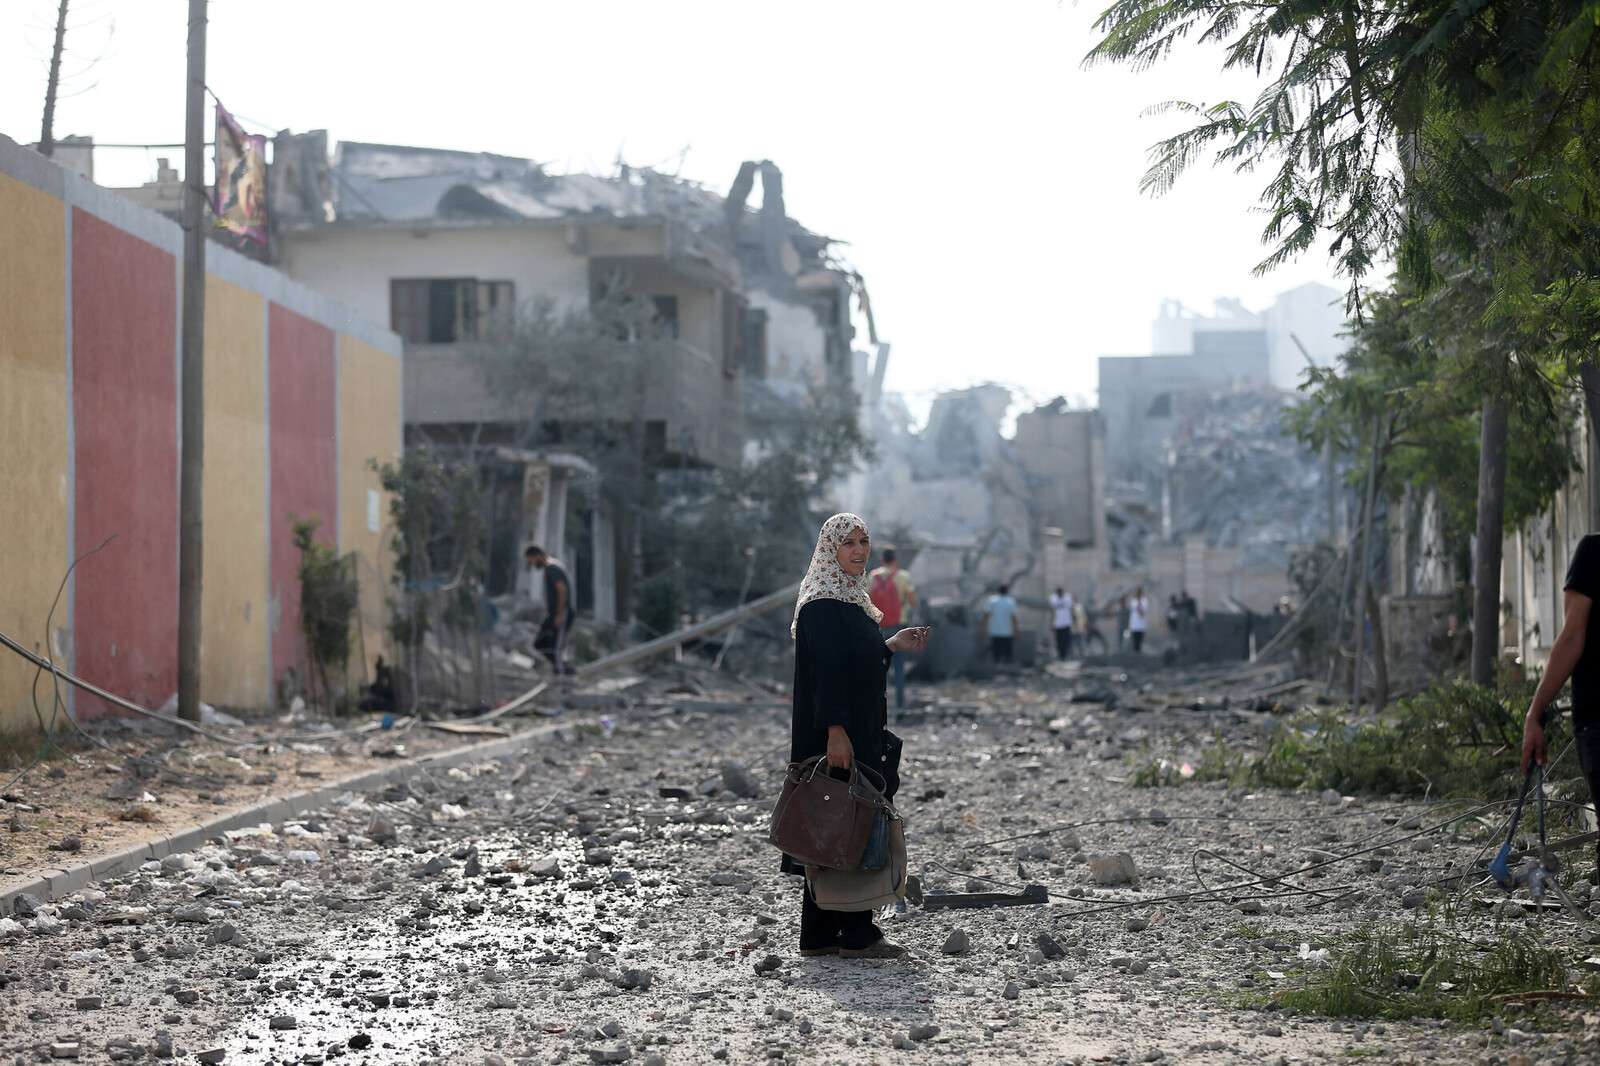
233,602
369,428
33,431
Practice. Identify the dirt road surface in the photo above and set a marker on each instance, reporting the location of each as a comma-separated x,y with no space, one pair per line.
610,897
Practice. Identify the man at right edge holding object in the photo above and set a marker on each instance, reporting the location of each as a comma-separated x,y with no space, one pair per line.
1575,654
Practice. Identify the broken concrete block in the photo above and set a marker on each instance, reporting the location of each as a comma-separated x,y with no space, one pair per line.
739,781
1116,869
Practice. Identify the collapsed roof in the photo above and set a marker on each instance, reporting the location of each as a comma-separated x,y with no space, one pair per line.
400,186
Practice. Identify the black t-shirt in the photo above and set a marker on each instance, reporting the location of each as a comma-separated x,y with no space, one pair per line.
1584,578
555,575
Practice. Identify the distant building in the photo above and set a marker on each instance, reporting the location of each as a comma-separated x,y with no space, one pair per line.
1145,399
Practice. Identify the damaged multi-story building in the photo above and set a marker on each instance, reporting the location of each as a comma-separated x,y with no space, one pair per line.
445,245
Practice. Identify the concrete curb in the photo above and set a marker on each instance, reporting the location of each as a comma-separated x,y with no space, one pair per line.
55,883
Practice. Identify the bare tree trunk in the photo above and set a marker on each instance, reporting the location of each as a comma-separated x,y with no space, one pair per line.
1365,575
1380,655
1491,534
47,133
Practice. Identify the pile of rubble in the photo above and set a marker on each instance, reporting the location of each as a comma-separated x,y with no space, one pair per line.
1234,475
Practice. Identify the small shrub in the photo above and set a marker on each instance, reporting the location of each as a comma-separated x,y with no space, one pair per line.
1422,972
1455,739
329,596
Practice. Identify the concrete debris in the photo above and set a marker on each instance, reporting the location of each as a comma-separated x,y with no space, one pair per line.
1116,869
682,946
739,781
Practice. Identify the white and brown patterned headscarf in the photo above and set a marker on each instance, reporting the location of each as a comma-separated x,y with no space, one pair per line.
826,579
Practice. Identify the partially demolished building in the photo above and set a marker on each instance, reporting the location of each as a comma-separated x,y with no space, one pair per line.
445,245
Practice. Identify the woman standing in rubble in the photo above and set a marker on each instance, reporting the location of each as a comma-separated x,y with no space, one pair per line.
840,664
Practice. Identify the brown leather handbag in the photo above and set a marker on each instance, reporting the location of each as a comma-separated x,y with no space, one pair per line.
822,821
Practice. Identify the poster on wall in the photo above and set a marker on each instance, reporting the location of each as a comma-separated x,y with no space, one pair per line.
240,199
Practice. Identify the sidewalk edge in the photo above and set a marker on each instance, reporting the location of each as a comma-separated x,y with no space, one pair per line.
55,882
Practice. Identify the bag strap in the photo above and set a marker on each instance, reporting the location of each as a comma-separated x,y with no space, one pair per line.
860,773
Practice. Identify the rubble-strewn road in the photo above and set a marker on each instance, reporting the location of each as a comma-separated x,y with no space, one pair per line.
612,898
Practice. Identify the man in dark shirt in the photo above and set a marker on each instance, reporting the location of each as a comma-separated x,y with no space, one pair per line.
559,609
1575,654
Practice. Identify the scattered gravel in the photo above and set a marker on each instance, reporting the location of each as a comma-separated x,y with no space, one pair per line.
576,905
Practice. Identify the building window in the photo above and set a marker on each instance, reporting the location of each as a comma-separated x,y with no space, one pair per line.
666,318
755,343
447,310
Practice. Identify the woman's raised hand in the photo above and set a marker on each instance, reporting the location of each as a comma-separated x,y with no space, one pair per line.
914,638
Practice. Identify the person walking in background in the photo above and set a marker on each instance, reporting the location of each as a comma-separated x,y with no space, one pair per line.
1061,619
560,612
1000,619
1084,629
893,593
1122,623
1187,608
1138,619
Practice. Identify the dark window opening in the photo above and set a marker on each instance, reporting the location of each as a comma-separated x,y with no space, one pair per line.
448,310
1160,407
666,317
755,343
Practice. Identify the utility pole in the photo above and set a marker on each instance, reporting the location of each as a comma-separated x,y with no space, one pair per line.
47,133
192,457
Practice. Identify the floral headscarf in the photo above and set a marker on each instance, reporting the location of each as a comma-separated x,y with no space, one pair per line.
826,579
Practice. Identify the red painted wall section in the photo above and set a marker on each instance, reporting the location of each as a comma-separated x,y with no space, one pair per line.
302,404
125,407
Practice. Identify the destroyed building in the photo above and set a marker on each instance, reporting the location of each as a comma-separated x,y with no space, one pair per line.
1146,399
445,245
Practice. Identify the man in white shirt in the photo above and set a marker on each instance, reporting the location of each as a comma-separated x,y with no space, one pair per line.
1061,608
1138,619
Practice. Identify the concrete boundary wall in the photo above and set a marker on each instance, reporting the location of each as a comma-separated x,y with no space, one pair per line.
90,346
56,883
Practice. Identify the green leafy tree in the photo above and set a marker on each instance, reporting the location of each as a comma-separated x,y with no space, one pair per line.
436,520
1456,137
1390,126
768,509
584,378
329,596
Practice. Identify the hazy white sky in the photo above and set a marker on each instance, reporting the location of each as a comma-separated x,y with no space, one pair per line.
987,184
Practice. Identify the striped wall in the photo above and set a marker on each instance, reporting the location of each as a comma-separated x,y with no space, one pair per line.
300,396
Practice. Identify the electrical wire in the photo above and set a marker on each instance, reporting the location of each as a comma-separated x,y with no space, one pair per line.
112,698
49,664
